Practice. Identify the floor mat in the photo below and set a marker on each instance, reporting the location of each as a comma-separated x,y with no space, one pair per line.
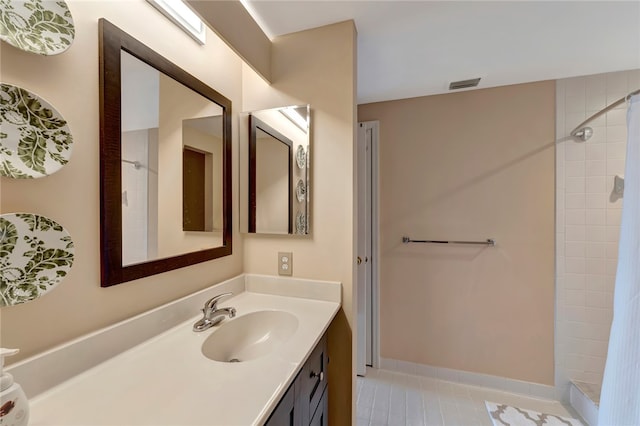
506,415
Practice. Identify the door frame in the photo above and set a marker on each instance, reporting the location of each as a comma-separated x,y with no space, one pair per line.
374,126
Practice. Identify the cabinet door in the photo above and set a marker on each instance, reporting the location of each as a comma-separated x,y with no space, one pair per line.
285,413
321,416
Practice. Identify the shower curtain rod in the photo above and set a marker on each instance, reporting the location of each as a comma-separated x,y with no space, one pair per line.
579,131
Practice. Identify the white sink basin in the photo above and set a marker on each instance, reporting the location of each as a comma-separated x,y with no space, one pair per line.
249,336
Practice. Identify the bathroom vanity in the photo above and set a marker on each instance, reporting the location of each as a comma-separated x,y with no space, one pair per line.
171,378
305,402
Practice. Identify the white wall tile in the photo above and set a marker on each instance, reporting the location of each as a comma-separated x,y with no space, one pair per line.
596,83
575,201
617,117
596,299
617,150
575,249
613,234
595,99
595,233
595,250
634,80
576,102
595,184
575,185
611,250
574,281
575,313
595,217
575,217
595,151
617,82
575,297
575,86
595,201
575,265
595,266
575,168
587,251
595,282
575,152
575,233
614,216
617,133
615,166
596,168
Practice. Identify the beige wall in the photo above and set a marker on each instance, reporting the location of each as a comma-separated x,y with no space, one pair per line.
71,196
318,67
469,166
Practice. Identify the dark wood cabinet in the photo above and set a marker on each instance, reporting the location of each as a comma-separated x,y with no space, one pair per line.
305,402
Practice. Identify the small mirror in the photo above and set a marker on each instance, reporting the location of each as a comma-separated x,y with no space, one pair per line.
165,163
274,167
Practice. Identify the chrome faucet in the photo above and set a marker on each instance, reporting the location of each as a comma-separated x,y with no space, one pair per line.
213,315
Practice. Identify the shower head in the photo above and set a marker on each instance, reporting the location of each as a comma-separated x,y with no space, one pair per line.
583,133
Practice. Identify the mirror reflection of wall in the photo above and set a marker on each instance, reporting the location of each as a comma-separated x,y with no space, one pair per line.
270,200
202,167
274,172
161,120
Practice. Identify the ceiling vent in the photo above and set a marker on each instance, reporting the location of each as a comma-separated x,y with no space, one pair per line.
464,84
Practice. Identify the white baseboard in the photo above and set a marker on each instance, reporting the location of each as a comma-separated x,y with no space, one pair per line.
535,390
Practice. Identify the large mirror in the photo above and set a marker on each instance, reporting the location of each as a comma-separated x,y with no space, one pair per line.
274,171
165,163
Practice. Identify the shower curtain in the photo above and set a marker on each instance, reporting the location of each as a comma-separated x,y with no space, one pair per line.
620,398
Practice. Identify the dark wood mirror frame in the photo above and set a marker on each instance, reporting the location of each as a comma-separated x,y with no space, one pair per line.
254,124
112,42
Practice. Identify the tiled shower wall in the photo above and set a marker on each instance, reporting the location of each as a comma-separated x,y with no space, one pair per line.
588,221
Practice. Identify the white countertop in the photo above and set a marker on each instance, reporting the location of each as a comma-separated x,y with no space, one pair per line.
168,381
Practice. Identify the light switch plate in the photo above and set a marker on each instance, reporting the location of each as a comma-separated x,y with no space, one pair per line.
285,263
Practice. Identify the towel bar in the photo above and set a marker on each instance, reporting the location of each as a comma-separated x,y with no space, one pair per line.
488,242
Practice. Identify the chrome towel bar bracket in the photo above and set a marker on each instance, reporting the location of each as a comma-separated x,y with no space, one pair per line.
488,242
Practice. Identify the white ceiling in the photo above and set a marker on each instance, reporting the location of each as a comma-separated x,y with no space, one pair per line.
416,48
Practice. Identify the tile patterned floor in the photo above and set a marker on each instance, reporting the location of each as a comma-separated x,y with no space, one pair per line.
388,398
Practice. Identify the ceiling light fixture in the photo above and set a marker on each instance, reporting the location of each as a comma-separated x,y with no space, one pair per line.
181,15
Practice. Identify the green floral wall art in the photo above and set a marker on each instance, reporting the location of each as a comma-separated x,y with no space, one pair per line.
37,26
35,140
36,253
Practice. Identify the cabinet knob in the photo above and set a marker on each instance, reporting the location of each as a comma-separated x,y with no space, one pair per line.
320,375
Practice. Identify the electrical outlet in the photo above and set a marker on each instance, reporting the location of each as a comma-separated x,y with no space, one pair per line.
285,263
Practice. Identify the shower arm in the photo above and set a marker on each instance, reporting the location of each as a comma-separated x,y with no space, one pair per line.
580,130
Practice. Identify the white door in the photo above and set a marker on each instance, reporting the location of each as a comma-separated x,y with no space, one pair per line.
367,132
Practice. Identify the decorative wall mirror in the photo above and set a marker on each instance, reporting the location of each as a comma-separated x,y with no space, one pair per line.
274,171
165,163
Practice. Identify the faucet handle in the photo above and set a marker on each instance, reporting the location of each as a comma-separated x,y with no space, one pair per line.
213,302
